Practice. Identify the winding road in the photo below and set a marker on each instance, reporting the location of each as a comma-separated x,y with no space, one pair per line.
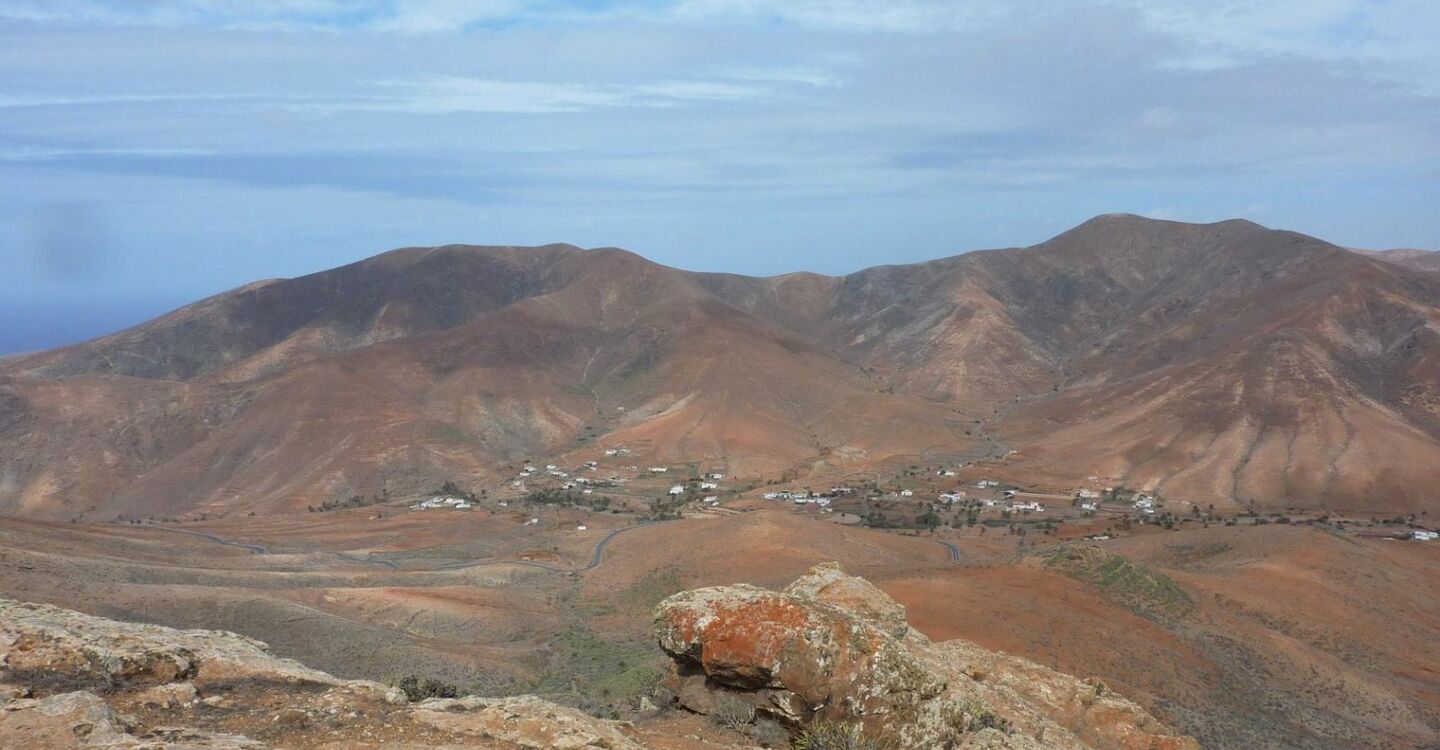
260,549
254,548
596,556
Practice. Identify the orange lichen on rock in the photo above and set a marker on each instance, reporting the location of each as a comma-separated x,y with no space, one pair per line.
835,647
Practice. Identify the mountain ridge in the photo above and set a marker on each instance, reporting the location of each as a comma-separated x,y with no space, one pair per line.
1244,343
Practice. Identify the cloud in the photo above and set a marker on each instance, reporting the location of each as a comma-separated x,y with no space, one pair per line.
429,16
450,94
405,16
858,127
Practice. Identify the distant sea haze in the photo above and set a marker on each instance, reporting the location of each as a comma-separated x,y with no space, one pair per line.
36,325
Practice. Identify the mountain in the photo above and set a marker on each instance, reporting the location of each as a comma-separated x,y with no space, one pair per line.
1419,260
1223,363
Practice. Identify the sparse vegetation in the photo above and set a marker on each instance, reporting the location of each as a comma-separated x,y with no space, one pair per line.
1143,591
732,711
769,733
823,734
418,688
353,501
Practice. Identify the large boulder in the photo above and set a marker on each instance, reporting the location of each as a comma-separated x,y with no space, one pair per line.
834,648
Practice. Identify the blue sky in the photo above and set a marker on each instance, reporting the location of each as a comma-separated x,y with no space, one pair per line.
155,152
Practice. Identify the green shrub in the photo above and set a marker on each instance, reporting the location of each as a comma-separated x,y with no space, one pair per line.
769,733
732,712
418,688
832,735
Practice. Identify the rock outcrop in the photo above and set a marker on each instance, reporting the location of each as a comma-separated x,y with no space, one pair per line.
69,680
830,651
833,648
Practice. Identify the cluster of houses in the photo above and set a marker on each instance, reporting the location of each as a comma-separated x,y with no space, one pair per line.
987,483
551,470
457,503
709,481
1145,504
801,497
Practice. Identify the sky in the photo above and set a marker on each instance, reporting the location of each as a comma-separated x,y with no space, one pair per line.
153,152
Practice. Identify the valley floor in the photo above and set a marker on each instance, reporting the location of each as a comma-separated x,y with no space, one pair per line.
1244,636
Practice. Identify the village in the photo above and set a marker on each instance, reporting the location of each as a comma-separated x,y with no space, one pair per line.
959,499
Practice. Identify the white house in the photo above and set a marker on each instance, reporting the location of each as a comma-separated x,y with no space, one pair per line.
678,489
1031,506
1422,535
1088,506
711,500
658,469
907,493
715,476
581,527
708,485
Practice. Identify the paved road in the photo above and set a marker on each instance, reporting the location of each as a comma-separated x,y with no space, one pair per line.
260,549
595,556
254,548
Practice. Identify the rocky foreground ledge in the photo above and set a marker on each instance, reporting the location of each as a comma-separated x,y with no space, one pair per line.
831,651
834,649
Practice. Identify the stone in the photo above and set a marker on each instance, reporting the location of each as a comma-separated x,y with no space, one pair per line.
835,647
173,695
525,721
68,720
828,583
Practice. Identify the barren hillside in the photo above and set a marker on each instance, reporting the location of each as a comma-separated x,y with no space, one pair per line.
1224,363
